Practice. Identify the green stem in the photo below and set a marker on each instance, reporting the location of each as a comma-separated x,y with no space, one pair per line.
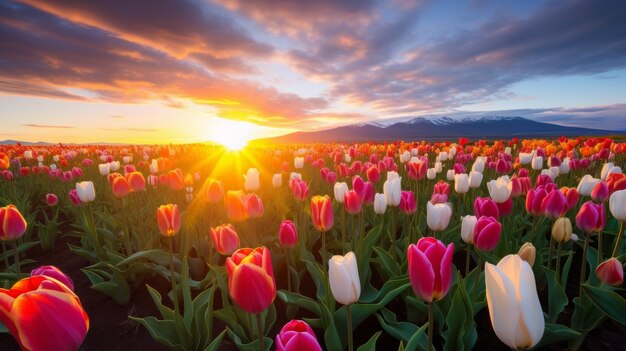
430,326
173,277
260,332
558,262
349,321
288,269
479,267
323,252
16,257
619,239
599,247
393,235
583,266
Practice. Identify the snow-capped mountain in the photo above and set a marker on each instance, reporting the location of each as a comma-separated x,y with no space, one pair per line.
440,128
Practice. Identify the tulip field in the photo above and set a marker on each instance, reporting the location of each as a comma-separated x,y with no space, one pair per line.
456,245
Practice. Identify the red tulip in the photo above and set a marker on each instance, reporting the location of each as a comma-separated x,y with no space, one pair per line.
487,233
322,212
254,206
168,218
417,170
611,272
373,174
352,202
297,336
485,206
235,206
43,314
616,181
287,234
251,279
214,190
51,199
13,225
53,272
225,239
430,268
176,179
591,217
24,171
441,188
136,181
571,196
505,208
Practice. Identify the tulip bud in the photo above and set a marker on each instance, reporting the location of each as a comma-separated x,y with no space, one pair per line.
297,336
251,180
484,206
12,223
562,230
85,191
340,190
380,204
500,189
450,175
298,162
287,234
611,272
392,189
225,239
554,205
168,218
528,252
253,206
343,275
461,183
431,174
468,224
430,268
235,206
513,303
438,216
322,213
51,199
104,168
591,217
537,163
475,179
55,273
120,187
277,180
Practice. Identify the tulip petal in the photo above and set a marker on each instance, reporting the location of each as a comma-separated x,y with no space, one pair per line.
421,274
530,308
502,304
446,270
340,282
302,342
251,288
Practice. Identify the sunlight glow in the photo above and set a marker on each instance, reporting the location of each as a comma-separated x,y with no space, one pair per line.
233,135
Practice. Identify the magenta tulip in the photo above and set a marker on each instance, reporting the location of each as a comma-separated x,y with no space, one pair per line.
487,233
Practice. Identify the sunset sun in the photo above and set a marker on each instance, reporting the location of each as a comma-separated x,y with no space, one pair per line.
233,135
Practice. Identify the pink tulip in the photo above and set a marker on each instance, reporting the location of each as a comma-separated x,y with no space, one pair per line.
299,189
534,199
554,205
287,234
51,199
430,268
600,192
486,233
485,206
53,272
251,279
407,202
254,206
331,178
73,195
591,217
225,239
297,336
12,223
441,188
543,179
505,208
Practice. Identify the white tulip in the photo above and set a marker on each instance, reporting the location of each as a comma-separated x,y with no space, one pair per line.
104,168
554,171
277,180
438,167
450,174
586,184
55,158
343,275
478,166
617,205
347,158
414,151
298,162
405,157
438,216
514,307
431,174
154,168
340,189
500,189
295,175
53,166
605,170
127,159
28,154
525,158
380,203
461,183
251,179
392,189
475,179
564,167
468,224
507,150
443,156
86,192
115,165
537,163
39,158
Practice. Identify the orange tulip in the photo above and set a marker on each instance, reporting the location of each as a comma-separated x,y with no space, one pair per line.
322,213
136,181
236,206
214,190
12,224
168,217
251,279
120,187
225,239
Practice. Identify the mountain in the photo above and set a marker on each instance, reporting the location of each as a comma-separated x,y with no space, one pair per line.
438,128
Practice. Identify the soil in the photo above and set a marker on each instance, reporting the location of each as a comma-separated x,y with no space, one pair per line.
111,330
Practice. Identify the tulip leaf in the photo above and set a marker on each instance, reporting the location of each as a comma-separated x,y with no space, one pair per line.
419,340
370,345
556,332
116,287
166,312
608,301
162,331
251,346
461,332
188,309
567,266
402,331
386,266
299,300
157,256
363,260
586,317
557,299
229,317
216,343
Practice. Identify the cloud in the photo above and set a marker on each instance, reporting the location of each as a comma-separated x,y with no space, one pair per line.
118,117
131,129
47,126
53,55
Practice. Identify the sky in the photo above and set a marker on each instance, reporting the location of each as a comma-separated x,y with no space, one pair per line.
175,71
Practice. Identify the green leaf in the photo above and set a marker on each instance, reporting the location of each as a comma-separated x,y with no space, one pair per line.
251,346
419,341
370,345
461,332
567,266
215,344
608,301
162,331
305,302
402,331
556,332
557,299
